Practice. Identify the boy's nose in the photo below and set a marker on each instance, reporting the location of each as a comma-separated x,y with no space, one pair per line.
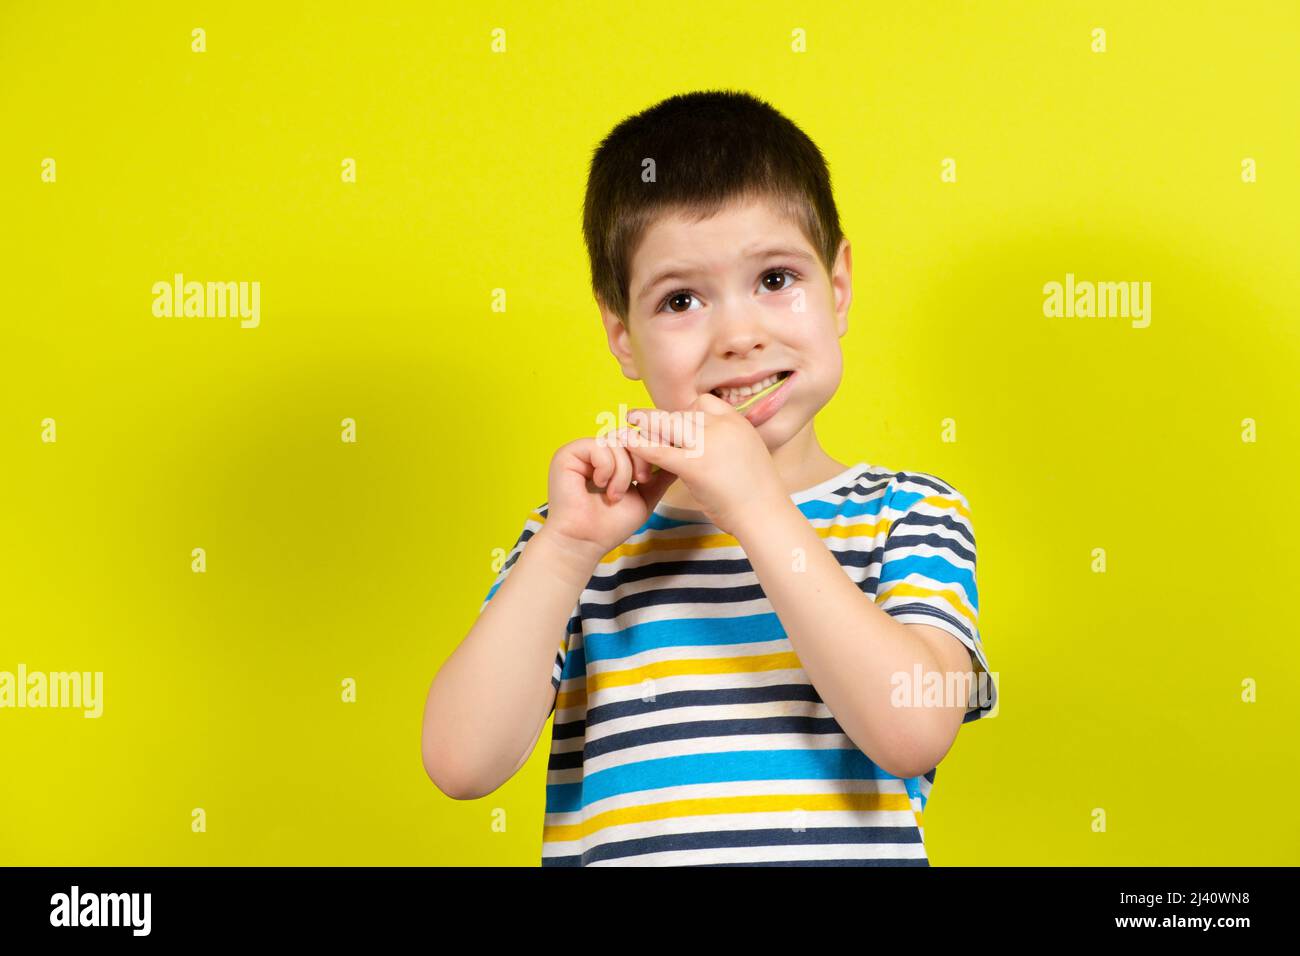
739,330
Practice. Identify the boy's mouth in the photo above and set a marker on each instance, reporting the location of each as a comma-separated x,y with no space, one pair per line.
740,396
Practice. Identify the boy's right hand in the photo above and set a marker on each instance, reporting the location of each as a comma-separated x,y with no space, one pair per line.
592,505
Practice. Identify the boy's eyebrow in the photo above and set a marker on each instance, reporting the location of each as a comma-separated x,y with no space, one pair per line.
686,270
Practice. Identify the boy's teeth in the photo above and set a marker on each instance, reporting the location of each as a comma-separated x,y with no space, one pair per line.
734,395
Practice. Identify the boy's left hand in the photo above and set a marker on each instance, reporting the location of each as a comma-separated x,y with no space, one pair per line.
718,454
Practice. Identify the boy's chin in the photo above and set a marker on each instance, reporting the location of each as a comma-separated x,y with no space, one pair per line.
781,427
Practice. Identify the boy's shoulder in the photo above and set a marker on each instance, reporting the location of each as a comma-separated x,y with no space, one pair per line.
922,479
917,482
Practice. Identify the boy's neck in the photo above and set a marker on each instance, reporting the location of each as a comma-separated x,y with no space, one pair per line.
801,462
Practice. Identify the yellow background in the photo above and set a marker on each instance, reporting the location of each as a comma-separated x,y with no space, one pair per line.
327,560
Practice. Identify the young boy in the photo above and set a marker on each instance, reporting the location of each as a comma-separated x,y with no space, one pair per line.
750,632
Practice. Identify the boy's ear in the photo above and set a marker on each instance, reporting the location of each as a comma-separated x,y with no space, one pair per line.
620,345
842,285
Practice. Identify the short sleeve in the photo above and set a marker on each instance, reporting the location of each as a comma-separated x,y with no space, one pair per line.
927,573
532,525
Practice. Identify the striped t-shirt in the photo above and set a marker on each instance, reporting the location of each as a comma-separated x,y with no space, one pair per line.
685,731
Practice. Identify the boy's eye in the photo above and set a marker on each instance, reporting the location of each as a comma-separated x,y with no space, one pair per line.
781,272
675,296
686,294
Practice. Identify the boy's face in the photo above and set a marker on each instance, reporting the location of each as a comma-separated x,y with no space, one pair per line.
729,312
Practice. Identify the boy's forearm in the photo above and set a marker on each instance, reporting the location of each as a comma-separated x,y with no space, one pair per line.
490,700
847,645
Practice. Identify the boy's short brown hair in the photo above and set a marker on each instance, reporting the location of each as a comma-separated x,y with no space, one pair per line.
709,148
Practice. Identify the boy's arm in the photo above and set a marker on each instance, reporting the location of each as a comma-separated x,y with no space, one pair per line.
490,700
851,648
